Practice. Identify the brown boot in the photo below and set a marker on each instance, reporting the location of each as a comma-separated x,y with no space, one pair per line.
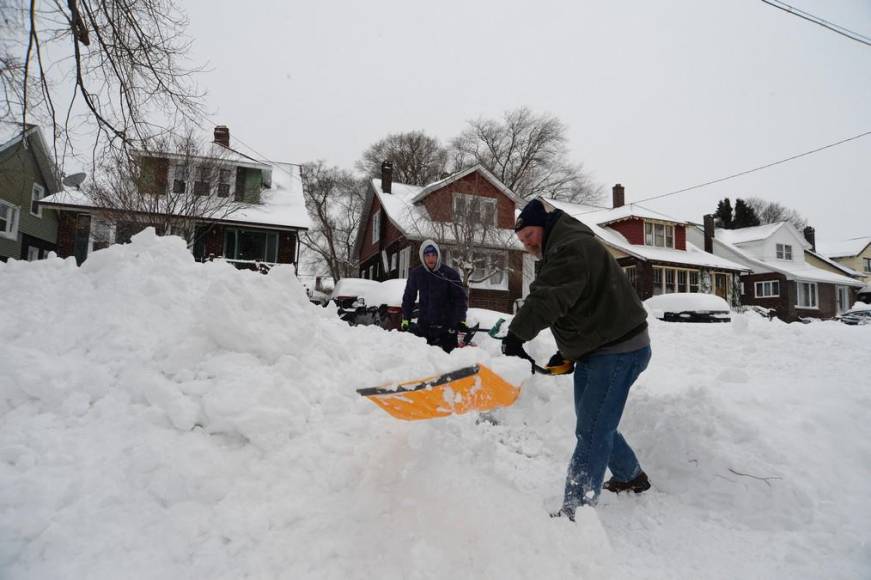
639,484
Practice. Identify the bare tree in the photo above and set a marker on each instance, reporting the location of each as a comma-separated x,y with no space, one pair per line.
770,212
471,241
418,159
334,199
114,67
134,190
528,153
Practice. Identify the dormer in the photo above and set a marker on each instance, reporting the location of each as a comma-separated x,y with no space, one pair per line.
641,226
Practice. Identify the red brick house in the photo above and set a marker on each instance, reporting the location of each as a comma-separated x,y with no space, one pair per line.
398,217
260,228
653,250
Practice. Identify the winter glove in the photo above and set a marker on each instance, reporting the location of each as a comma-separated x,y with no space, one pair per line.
512,345
557,365
404,325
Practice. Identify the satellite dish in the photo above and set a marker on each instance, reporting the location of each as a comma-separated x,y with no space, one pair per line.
74,180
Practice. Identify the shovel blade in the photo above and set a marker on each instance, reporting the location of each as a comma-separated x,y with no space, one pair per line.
474,388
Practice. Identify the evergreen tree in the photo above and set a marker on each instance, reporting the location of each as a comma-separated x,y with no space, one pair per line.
723,215
745,215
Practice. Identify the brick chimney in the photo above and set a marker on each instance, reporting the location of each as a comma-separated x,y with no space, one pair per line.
619,196
810,234
387,176
709,233
222,135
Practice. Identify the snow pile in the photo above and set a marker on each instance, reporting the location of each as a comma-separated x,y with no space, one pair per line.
161,418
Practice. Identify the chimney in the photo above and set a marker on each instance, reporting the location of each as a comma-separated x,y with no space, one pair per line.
619,197
810,235
222,135
709,233
387,176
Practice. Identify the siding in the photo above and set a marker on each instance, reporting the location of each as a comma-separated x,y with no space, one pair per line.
18,172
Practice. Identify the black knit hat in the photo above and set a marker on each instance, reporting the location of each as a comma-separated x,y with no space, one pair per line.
533,214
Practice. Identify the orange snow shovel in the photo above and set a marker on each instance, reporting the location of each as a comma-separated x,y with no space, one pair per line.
474,388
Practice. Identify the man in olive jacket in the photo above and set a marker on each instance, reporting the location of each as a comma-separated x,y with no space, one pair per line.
583,296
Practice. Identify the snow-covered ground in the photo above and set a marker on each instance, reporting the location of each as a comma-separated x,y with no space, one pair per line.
166,419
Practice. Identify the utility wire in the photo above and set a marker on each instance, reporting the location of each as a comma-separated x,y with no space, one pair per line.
817,20
755,169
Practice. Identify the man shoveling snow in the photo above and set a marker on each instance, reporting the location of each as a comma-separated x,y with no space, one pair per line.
582,294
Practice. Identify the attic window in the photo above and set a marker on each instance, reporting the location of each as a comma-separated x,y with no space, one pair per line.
202,184
180,178
784,252
658,235
224,183
474,209
376,227
36,194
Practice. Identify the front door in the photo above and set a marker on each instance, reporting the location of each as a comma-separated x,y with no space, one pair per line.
721,285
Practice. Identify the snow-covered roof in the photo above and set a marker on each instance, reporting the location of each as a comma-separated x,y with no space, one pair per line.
10,133
844,248
217,152
413,220
799,271
834,264
744,235
607,216
424,191
282,205
693,256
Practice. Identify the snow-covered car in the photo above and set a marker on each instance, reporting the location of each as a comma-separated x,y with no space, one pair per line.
357,299
366,302
858,317
688,307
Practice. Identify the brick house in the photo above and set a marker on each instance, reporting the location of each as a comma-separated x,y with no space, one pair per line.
781,277
261,227
397,217
27,174
653,249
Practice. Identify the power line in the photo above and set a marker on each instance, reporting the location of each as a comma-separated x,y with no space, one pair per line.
755,169
817,20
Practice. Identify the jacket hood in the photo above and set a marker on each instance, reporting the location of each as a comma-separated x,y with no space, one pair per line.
438,250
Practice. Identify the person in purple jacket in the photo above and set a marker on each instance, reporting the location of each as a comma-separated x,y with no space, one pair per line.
441,299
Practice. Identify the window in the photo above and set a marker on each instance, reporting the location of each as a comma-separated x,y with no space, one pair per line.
376,227
807,295
490,268
393,261
659,235
867,262
8,220
224,182
202,184
784,252
404,262
769,289
251,245
694,280
632,274
102,235
671,280
843,299
180,178
474,209
36,194
32,253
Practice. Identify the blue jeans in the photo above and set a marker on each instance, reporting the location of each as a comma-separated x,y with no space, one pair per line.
601,387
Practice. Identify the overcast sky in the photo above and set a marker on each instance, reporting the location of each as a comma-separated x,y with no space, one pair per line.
657,95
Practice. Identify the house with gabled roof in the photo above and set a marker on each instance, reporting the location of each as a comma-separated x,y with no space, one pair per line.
780,277
397,217
854,253
654,251
27,174
261,226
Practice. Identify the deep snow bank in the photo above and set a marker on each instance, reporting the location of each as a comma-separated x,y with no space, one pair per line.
163,419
